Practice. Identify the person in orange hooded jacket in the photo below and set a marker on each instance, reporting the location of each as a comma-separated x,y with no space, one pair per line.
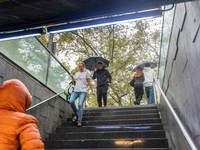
18,131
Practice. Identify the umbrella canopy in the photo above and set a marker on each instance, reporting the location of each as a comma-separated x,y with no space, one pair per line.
153,64
91,62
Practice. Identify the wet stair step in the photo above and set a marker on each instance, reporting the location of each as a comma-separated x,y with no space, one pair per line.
116,122
109,117
109,143
108,135
128,127
115,149
123,108
125,112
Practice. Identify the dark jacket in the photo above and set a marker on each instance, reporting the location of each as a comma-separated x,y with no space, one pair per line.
139,80
102,76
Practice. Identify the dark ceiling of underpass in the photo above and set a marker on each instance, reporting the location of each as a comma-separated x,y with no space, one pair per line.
24,14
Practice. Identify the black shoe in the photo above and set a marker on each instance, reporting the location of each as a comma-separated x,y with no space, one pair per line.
135,102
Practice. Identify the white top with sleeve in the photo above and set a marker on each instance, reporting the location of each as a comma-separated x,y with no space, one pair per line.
149,74
81,81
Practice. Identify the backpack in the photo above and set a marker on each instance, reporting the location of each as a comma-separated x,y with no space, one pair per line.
69,89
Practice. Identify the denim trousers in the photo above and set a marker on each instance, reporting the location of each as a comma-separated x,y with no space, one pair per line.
74,96
150,94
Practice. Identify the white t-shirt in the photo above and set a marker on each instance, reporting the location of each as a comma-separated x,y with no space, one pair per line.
81,81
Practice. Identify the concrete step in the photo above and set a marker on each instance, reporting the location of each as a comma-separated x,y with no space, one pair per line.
128,127
123,112
108,143
115,149
116,128
120,108
108,135
113,117
115,122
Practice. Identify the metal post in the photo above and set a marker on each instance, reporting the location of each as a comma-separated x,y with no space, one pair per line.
154,93
51,45
51,48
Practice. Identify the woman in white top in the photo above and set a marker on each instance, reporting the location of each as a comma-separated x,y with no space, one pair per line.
81,78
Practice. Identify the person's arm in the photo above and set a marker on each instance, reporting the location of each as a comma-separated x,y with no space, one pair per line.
143,78
109,77
73,80
95,74
29,135
89,82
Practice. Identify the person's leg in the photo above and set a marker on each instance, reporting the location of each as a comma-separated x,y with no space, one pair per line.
140,93
82,96
104,92
99,96
73,97
151,95
136,94
105,99
147,93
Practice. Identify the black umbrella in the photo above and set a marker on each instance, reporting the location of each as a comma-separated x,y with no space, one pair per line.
92,62
153,64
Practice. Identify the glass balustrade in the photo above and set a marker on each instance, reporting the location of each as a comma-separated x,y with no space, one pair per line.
34,58
166,33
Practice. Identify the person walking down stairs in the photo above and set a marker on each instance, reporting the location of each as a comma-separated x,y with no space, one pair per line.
81,78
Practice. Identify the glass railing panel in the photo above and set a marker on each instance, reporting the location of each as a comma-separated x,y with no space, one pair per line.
29,54
166,33
32,56
58,77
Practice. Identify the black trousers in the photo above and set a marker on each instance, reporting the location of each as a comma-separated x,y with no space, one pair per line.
102,92
139,91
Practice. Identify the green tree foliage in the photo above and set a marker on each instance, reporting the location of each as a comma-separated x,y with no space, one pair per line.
124,45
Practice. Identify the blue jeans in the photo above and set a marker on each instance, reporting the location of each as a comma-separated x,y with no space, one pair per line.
150,94
74,96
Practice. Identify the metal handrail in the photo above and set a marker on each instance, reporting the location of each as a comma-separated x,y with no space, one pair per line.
44,101
183,129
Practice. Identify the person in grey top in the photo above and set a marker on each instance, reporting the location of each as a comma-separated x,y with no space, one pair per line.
138,85
81,78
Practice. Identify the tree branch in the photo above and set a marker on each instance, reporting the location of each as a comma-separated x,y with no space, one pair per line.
85,42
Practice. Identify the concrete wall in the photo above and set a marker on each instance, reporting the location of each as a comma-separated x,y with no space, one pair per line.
49,115
182,76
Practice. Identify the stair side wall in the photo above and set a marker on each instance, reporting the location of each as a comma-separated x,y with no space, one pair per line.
182,76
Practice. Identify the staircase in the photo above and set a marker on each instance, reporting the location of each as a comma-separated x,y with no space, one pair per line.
112,128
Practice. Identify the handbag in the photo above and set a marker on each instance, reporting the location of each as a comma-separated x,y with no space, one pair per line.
132,82
69,89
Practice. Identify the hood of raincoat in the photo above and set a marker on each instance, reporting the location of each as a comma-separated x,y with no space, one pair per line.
14,96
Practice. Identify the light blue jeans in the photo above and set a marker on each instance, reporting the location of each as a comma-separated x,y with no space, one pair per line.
74,96
150,94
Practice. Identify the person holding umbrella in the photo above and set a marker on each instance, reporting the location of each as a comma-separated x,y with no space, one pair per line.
102,76
149,75
81,78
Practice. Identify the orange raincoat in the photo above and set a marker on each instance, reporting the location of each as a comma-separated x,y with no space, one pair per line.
18,131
